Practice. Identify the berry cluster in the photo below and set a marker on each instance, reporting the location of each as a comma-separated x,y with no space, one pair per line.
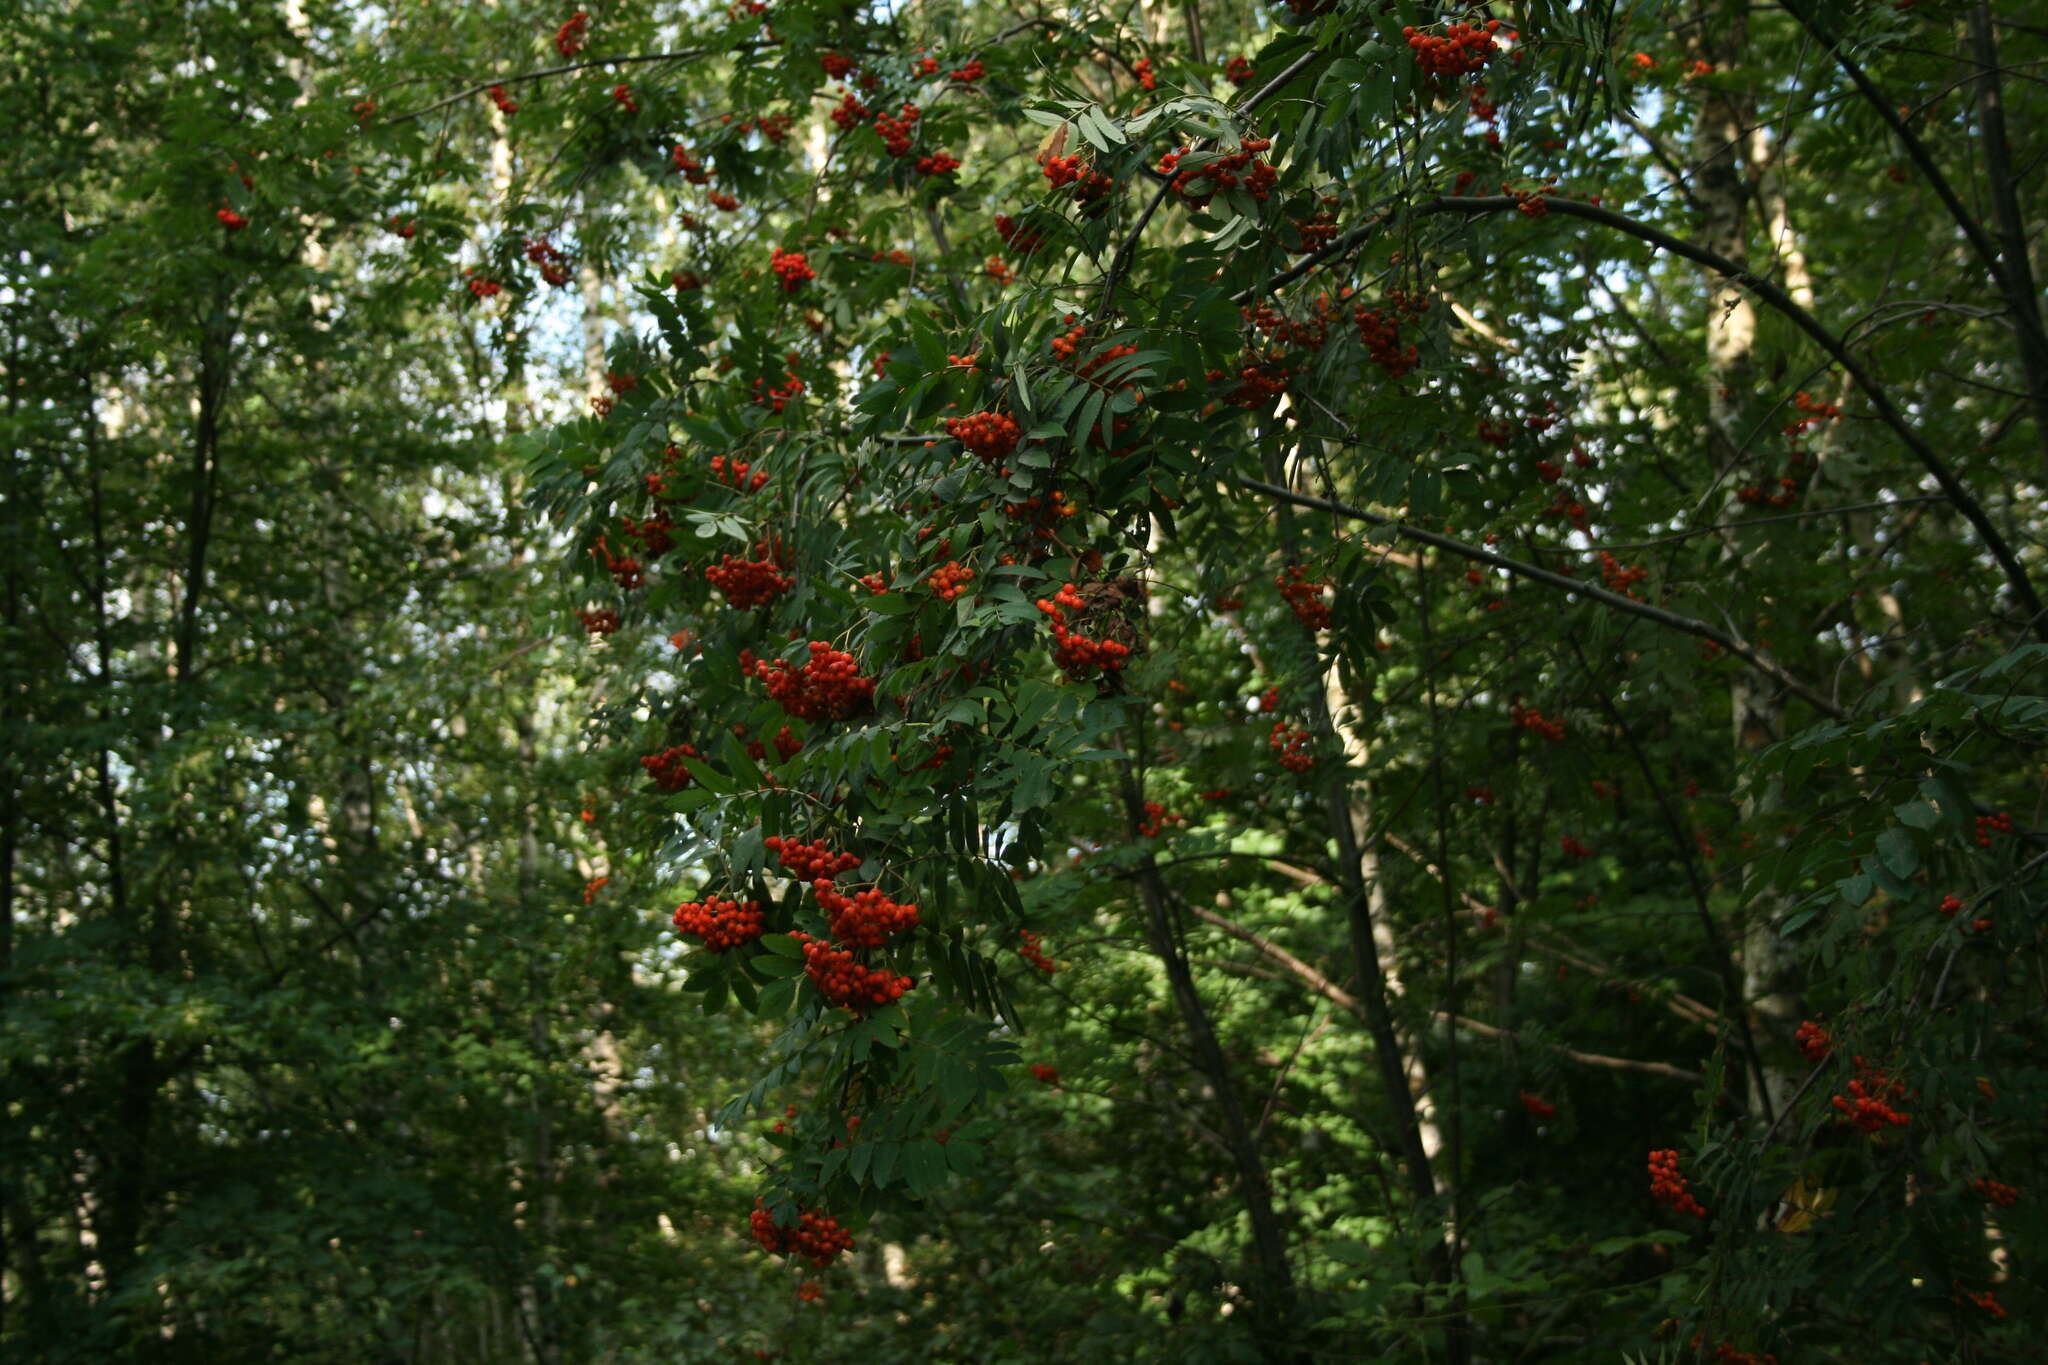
1814,1042
990,436
1028,949
506,104
1076,654
836,64
1667,1186
479,286
1949,906
1620,578
1157,817
235,222
970,73
1724,1354
938,163
749,582
774,397
1072,172
1868,1103
1225,172
1537,1106
829,687
602,622
866,919
1045,1075
898,133
1988,1301
1529,718
817,1237
624,95
809,862
737,474
1304,597
1290,747
787,745
1988,825
1379,331
592,887
1142,69
667,769
1016,236
791,268
570,36
950,579
1239,71
1461,50
554,266
693,170
722,924
1572,848
845,982
1997,1192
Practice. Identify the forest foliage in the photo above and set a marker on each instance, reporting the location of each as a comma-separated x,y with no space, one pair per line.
985,682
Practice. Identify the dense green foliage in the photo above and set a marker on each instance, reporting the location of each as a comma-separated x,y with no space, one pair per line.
1384,612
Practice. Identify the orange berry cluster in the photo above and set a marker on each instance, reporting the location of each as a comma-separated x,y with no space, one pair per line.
748,582
1045,1075
737,474
866,919
1620,578
792,268
836,64
990,436
817,1237
829,687
1076,654
599,622
774,398
1238,71
506,104
1988,1301
1949,906
1290,746
897,133
666,767
722,924
693,170
1304,597
938,163
1988,825
1245,165
809,862
1814,1042
480,287
970,73
787,746
950,579
1028,949
1997,1192
569,37
1379,331
1158,817
1724,1354
1667,1186
592,887
845,982
1017,237
1461,50
1529,718
1064,171
1868,1103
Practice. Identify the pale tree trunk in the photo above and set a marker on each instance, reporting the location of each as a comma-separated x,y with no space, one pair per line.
1721,134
